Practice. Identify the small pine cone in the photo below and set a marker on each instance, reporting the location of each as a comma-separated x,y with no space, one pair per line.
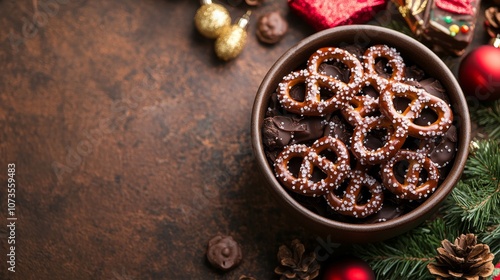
295,264
464,259
492,22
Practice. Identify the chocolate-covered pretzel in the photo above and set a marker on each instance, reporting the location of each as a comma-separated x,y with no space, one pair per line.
349,202
314,80
396,135
414,186
419,100
363,105
302,183
393,58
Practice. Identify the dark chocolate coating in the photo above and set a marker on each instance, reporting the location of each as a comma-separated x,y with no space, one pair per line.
369,91
336,69
382,69
338,128
279,131
375,139
435,88
271,27
414,72
356,50
298,92
444,148
223,252
389,211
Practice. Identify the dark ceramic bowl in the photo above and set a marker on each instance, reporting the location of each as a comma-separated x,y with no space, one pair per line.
410,49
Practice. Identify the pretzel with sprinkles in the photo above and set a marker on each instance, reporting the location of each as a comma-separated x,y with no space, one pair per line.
315,80
361,106
394,60
420,100
303,184
394,140
349,202
413,187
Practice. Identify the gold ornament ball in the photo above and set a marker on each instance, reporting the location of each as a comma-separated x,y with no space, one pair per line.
231,42
210,19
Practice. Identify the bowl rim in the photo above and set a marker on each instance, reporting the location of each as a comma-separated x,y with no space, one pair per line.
432,202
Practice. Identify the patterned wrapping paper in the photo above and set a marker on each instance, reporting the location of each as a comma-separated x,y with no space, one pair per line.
323,14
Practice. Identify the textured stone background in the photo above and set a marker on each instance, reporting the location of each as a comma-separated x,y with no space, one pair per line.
132,142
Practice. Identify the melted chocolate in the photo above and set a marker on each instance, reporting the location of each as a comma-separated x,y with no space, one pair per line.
337,70
338,128
279,131
443,149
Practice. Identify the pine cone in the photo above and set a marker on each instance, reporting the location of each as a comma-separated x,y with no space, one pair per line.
294,264
492,22
465,259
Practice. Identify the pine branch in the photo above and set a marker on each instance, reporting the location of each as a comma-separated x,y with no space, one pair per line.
492,238
473,209
474,203
484,161
406,256
488,117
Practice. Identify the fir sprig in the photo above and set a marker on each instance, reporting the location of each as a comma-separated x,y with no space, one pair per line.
492,237
407,256
474,203
487,116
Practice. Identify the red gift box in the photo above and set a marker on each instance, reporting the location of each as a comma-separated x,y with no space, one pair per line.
323,14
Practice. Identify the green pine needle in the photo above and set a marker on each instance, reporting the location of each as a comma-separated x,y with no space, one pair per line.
406,256
487,116
484,161
492,238
474,203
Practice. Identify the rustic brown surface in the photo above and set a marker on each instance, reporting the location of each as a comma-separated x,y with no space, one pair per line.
132,142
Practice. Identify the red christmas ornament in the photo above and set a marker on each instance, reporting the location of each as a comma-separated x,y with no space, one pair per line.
348,268
479,72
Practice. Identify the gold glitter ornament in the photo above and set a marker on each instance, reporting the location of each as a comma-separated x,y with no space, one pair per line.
211,18
232,39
